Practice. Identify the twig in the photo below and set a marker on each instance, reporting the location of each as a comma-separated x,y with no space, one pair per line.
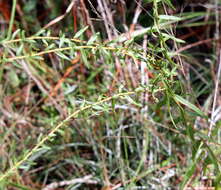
215,96
85,179
195,44
87,18
218,53
62,16
104,16
136,16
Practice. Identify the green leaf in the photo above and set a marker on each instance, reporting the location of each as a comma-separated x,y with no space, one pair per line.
132,101
62,56
168,2
20,49
217,182
192,167
80,32
51,46
40,32
188,174
62,40
183,101
148,1
92,39
169,17
190,15
97,107
129,42
29,6
15,33
13,78
18,186
84,57
167,36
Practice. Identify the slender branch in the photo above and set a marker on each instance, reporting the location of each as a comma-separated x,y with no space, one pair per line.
61,124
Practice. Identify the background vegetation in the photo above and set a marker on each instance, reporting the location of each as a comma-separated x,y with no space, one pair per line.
105,94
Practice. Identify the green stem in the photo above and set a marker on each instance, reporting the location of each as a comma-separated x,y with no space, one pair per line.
54,130
11,19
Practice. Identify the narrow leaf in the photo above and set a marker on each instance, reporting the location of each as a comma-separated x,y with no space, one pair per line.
93,39
169,17
167,36
183,101
80,32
